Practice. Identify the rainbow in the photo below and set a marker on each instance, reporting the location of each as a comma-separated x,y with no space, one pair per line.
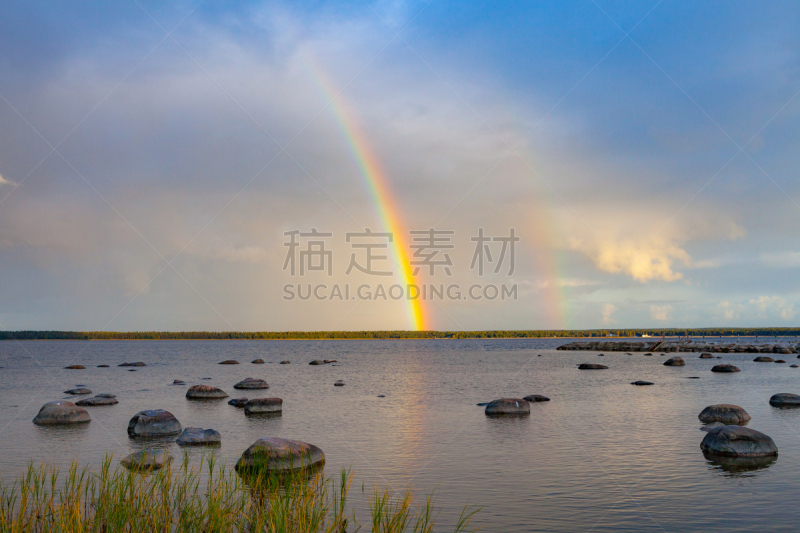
378,185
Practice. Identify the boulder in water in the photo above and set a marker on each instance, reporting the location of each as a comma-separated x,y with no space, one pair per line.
339,383
138,363
785,399
780,361
251,384
205,392
258,406
199,437
238,402
102,366
153,423
316,362
229,362
61,412
725,368
98,401
508,406
591,366
78,390
763,359
146,460
641,383
706,356
724,413
75,367
737,441
257,361
536,398
675,361
178,382
286,362
273,454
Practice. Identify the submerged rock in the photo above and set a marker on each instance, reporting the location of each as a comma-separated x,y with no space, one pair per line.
137,363
793,366
675,361
153,423
75,367
286,362
257,361
381,396
178,382
316,362
706,356
339,383
146,460
61,412
79,390
737,441
102,366
591,366
229,362
238,402
763,359
785,399
273,454
251,384
724,413
641,383
508,406
780,361
259,406
725,368
199,437
205,392
98,401
536,398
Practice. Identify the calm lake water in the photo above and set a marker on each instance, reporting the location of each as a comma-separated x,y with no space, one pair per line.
603,455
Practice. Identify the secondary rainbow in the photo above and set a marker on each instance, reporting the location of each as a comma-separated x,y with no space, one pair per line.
378,185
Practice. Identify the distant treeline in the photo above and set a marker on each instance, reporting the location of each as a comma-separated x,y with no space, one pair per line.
317,335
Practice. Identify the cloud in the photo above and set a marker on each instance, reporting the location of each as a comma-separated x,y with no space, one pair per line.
4,181
660,312
730,311
608,310
633,242
773,306
781,259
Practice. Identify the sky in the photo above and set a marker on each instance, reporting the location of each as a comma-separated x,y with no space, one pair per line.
156,158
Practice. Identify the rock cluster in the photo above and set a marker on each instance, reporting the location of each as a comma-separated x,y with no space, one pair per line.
674,345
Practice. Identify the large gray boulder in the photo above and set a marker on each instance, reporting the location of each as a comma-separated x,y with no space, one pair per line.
273,454
591,366
199,437
205,392
258,406
61,412
785,399
146,460
508,406
675,361
251,384
724,413
153,423
738,441
725,368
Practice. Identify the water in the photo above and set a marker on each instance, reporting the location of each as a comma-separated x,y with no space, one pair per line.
603,455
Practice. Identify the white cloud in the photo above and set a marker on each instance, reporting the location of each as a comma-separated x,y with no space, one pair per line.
730,311
660,312
634,242
608,311
781,259
772,306
4,181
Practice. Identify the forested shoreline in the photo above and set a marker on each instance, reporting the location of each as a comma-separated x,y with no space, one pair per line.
398,334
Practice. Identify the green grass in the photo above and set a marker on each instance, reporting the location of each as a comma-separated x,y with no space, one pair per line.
204,497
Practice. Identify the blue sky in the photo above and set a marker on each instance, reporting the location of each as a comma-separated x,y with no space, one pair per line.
645,152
